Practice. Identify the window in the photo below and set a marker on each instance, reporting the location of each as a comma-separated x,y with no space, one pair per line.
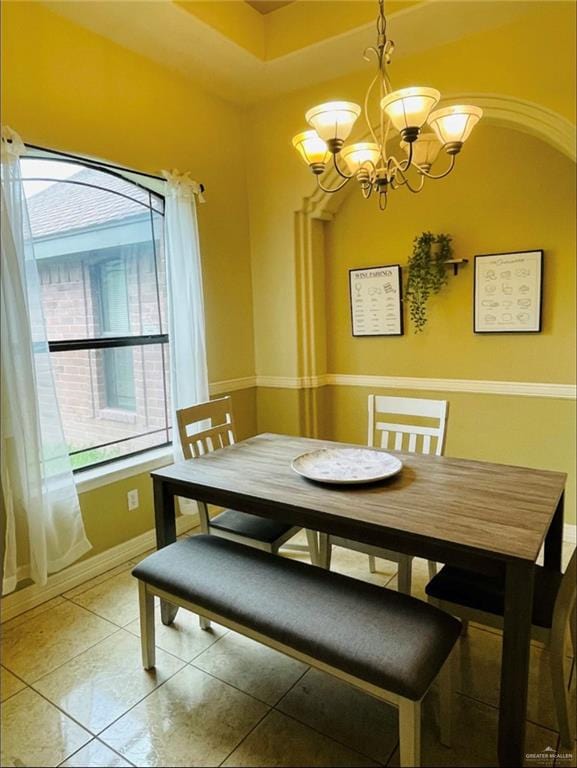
98,244
112,299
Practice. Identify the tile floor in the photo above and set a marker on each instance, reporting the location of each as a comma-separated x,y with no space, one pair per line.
74,694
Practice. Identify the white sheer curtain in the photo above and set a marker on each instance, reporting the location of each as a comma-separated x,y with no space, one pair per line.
188,369
44,531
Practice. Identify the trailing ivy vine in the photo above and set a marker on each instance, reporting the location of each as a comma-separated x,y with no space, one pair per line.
427,273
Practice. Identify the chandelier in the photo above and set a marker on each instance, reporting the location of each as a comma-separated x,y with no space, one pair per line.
405,113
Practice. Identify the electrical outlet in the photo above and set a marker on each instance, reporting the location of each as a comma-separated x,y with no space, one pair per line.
132,500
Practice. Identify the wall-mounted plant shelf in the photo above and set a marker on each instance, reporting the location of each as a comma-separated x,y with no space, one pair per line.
456,263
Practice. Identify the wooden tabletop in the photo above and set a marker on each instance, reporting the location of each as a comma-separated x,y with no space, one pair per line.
493,510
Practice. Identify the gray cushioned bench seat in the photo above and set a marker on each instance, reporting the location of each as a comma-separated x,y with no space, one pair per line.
388,639
252,526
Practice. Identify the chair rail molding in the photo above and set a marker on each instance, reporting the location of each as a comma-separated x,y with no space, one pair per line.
474,386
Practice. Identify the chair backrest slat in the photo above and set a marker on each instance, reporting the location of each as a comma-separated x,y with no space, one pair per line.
196,437
431,438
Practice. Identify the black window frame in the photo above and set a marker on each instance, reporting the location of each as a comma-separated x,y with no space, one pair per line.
111,342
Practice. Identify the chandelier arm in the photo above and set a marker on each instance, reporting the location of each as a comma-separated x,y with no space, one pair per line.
415,190
366,106
393,165
439,175
336,189
405,182
338,170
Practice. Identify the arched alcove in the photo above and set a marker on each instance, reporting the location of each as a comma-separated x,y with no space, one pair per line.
500,111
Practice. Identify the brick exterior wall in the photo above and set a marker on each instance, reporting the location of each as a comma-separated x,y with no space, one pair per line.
71,309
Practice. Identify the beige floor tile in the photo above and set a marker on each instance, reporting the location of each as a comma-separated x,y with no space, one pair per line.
480,672
95,755
474,737
34,733
191,720
50,639
86,585
344,713
280,741
9,684
419,579
33,612
184,638
115,599
356,565
348,562
101,684
255,669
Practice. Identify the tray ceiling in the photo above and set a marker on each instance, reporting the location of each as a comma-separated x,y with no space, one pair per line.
268,6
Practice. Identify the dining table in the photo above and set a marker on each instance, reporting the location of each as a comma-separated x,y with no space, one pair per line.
482,516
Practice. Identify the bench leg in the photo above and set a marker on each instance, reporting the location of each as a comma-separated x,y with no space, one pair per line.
404,574
146,600
410,733
325,551
204,622
446,698
313,545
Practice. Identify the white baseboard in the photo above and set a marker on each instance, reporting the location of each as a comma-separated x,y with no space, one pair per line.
29,597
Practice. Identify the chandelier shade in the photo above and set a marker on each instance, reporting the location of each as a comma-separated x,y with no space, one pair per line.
387,112
453,125
334,120
364,154
409,107
425,150
312,148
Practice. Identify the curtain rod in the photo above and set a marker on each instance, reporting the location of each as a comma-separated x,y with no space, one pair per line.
102,163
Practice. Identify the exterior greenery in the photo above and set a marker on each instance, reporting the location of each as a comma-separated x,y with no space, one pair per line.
427,273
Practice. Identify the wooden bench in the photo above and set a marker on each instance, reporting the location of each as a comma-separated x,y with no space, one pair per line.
388,644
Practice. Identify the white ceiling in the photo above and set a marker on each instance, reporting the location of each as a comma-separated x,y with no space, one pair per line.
169,35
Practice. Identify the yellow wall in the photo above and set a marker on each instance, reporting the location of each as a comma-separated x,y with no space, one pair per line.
509,191
495,201
67,88
501,61
70,89
519,205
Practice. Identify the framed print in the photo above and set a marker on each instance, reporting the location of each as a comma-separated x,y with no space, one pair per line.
376,301
508,292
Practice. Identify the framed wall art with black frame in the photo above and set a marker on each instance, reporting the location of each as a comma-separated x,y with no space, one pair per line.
376,301
508,292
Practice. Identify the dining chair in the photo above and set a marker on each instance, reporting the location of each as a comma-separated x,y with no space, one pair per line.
207,427
477,597
400,435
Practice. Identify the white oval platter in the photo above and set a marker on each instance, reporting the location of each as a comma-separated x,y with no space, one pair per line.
346,465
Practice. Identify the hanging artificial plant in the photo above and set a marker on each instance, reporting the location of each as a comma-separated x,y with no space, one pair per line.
427,273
